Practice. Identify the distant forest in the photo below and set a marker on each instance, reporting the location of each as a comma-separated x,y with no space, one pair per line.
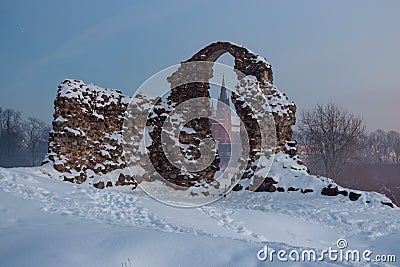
25,142
22,142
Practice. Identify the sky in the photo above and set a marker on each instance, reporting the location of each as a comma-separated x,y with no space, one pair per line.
346,52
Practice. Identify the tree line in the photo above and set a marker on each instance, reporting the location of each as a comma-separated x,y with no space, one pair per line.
330,138
22,142
382,147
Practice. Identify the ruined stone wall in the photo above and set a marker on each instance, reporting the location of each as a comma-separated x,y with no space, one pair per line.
190,143
88,120
86,136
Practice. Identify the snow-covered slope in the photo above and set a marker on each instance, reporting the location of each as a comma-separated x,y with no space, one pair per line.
47,222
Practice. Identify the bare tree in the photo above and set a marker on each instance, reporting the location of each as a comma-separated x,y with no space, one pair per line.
376,145
332,137
10,132
383,147
393,139
36,132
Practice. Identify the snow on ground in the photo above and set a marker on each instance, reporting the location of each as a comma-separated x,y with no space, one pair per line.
47,222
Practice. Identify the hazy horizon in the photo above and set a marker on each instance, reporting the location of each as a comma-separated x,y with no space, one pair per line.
342,52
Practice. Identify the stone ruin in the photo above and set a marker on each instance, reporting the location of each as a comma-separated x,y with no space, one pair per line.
87,141
86,135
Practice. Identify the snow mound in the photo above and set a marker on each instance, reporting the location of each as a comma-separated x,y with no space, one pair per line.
46,222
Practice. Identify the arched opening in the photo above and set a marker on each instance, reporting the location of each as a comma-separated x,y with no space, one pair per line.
224,124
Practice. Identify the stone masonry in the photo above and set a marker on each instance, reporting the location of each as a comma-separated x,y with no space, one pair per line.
87,128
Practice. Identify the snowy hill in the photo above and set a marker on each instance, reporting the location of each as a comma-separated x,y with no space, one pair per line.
47,222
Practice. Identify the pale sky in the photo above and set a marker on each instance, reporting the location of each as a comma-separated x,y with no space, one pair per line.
346,52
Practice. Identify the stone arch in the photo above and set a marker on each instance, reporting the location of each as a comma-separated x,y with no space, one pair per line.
246,63
88,116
